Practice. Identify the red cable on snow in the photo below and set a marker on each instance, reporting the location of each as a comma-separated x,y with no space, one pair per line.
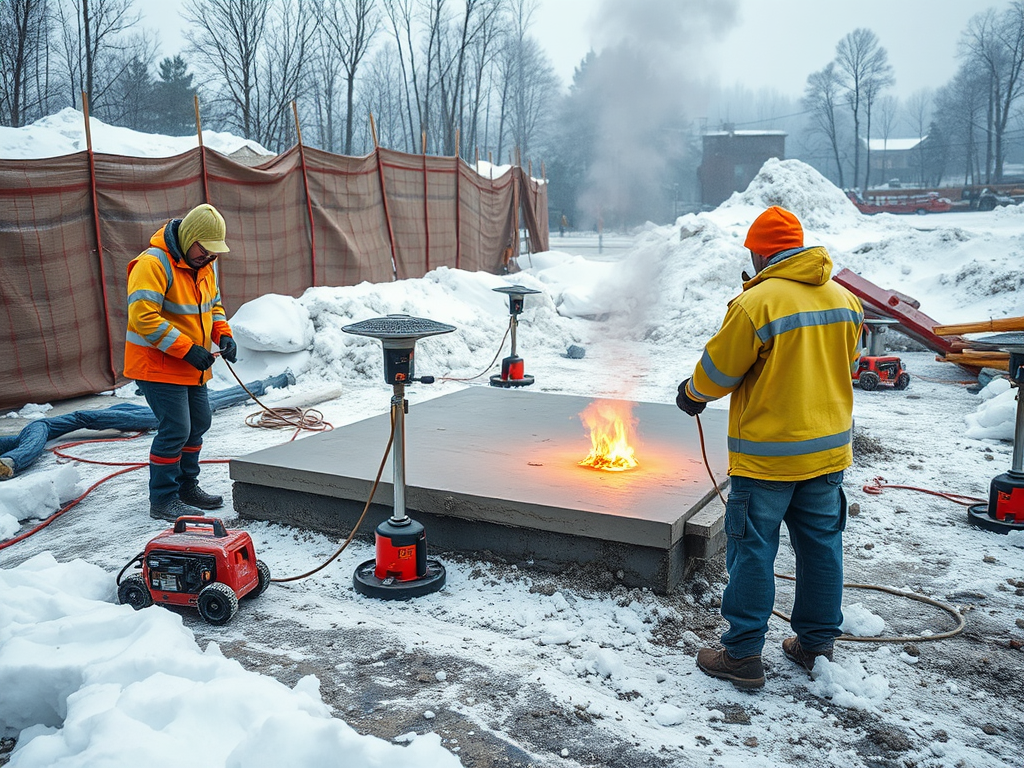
877,484
126,466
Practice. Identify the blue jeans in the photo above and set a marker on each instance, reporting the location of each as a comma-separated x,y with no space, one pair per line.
815,513
183,415
24,448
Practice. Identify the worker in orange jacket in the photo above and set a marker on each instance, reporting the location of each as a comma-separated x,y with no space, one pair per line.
174,316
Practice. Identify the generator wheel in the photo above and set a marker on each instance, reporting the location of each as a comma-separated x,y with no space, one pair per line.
217,603
902,381
264,580
869,381
132,591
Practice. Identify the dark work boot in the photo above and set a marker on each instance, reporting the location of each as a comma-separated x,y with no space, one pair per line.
746,673
799,655
197,497
172,510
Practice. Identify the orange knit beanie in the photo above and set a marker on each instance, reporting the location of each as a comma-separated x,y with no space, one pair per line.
774,230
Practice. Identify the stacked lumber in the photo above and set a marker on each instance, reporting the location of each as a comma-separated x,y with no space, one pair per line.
961,351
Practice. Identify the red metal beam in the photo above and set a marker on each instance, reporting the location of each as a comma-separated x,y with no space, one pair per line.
913,322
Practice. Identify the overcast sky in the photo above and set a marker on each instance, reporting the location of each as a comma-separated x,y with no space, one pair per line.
762,43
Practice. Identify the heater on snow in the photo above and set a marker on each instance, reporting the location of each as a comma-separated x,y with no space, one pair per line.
401,568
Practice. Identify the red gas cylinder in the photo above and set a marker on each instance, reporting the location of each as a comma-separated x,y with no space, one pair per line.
513,369
401,551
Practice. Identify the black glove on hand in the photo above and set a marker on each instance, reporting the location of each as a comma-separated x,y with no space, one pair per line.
686,403
199,357
228,348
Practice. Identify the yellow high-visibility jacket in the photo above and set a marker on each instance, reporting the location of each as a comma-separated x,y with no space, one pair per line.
785,351
170,307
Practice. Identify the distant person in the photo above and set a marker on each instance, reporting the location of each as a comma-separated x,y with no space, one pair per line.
785,351
563,225
174,315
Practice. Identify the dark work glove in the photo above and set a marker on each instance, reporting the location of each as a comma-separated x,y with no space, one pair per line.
228,348
199,357
688,404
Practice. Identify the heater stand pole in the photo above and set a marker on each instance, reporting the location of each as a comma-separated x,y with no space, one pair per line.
398,516
514,322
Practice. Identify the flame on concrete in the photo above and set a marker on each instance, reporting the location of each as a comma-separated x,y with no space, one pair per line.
612,434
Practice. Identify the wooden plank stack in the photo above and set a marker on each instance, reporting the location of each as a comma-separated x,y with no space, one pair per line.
962,353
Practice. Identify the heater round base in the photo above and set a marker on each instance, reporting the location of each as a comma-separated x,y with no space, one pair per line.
497,381
366,582
977,514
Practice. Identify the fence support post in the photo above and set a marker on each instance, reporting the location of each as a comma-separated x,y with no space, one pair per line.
384,197
458,204
99,238
202,151
305,187
426,210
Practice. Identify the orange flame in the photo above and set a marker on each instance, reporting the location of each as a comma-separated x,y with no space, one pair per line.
611,426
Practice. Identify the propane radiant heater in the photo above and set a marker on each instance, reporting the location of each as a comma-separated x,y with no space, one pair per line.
512,367
1005,509
401,568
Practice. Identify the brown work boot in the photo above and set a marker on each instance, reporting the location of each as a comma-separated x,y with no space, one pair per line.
746,673
798,654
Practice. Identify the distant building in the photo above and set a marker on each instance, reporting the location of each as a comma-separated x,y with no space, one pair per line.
733,158
896,160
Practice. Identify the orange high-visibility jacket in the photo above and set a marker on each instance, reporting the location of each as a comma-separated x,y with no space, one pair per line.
170,307
784,352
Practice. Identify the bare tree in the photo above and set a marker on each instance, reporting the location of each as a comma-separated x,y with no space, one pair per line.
959,107
917,110
226,39
254,55
24,54
888,110
400,14
864,68
351,26
996,42
97,47
821,99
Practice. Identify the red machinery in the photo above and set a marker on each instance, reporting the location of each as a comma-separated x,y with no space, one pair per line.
196,563
887,369
1004,511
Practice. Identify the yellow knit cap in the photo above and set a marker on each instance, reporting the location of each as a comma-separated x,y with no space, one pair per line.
203,225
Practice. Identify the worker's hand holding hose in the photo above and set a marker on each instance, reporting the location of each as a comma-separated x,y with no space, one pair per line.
199,357
228,348
688,404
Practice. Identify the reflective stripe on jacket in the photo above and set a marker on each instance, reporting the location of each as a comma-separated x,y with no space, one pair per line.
785,351
170,307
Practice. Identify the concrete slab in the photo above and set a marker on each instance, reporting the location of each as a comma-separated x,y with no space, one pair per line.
497,469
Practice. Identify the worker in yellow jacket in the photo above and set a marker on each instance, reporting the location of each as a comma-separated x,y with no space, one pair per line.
785,352
174,316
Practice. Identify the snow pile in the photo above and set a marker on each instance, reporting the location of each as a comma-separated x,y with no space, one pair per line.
848,684
797,187
995,418
64,134
464,299
35,496
92,683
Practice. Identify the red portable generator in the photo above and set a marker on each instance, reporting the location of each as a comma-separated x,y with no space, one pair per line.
197,563
887,369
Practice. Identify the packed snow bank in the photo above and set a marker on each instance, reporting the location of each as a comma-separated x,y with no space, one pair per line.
64,134
996,417
87,682
797,187
35,496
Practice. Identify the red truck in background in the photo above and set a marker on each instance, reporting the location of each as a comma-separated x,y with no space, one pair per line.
928,202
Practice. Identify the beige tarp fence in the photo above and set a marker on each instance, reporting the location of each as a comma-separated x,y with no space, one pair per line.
70,225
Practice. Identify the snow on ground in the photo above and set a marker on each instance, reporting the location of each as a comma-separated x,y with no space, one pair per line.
510,665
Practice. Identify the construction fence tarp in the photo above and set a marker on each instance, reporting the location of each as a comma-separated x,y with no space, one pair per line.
69,226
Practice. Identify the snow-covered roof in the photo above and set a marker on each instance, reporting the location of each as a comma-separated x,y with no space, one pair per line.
746,133
894,145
